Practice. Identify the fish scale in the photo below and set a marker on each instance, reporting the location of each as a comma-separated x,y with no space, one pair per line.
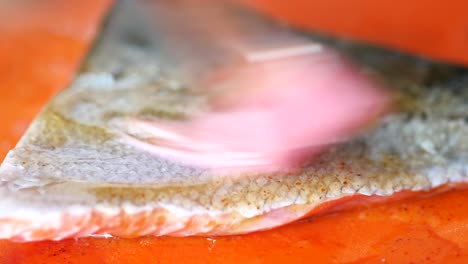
71,176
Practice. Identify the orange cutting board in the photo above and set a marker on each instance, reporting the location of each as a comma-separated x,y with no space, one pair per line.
431,28
39,54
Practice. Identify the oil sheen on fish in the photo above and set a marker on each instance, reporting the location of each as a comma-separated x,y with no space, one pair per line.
71,175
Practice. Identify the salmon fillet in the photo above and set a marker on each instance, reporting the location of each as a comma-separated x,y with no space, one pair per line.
71,174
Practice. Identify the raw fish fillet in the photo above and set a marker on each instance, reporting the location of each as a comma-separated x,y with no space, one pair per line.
72,175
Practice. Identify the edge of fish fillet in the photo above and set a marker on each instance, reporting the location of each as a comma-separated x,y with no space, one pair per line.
132,221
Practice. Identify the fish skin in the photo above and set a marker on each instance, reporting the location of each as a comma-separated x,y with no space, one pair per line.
70,176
